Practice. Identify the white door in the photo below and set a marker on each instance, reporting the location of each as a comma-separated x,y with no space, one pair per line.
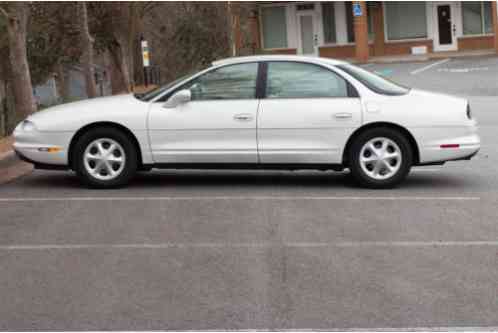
307,115
307,33
218,124
445,21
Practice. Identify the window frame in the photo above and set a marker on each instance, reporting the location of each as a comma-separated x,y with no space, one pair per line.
386,34
262,30
181,85
351,89
483,23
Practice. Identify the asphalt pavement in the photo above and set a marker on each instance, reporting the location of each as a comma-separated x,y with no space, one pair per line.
201,250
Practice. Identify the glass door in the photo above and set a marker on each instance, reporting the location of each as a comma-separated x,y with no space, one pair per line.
308,38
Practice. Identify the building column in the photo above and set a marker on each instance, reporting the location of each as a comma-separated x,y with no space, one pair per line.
495,23
236,34
378,27
255,32
361,33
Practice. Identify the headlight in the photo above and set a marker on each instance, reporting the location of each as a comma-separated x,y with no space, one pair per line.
28,126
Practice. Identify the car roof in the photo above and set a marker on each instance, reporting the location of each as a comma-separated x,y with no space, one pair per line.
237,60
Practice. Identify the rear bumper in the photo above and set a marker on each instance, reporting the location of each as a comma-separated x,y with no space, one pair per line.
436,144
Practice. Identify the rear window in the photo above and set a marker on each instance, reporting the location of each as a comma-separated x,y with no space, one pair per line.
374,82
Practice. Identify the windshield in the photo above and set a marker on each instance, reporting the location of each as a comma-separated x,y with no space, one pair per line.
158,91
374,82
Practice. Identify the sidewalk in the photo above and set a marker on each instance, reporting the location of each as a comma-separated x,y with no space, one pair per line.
11,166
429,56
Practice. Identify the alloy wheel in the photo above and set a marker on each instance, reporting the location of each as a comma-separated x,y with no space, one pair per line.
380,158
104,159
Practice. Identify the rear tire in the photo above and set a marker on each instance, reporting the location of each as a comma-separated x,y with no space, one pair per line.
380,158
105,157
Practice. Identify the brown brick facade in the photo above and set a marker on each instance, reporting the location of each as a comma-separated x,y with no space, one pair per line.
475,43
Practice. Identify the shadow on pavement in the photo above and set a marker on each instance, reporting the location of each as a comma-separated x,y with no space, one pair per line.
158,179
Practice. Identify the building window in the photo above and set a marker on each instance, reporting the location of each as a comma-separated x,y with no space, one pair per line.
405,20
274,27
370,20
477,18
350,21
328,18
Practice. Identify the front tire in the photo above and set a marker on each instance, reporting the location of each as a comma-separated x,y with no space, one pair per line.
105,157
380,158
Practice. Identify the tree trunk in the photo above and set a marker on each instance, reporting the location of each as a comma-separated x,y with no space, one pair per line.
87,47
17,17
62,82
3,109
120,82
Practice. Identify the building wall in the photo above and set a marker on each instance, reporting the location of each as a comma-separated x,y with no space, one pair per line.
475,43
380,46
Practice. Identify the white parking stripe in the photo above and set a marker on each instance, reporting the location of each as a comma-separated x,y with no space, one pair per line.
437,63
375,329
214,245
220,198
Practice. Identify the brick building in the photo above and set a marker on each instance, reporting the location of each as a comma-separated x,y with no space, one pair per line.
373,28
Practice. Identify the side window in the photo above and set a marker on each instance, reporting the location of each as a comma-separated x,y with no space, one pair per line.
229,82
300,80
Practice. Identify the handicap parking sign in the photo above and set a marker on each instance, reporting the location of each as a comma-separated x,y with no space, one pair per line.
357,9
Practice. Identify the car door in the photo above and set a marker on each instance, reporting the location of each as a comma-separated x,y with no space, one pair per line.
217,125
307,114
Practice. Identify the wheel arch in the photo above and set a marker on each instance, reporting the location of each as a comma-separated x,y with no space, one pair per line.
91,126
401,129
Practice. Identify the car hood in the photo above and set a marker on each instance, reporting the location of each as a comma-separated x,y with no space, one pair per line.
73,115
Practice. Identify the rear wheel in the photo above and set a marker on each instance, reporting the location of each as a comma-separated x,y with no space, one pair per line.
380,158
105,157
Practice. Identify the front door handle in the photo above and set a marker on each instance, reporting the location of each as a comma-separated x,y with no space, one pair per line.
343,115
243,117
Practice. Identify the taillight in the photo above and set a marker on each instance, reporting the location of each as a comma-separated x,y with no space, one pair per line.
469,113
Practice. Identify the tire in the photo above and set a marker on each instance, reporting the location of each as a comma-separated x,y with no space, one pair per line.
93,158
380,158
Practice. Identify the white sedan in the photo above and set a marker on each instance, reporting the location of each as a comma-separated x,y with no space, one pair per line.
259,112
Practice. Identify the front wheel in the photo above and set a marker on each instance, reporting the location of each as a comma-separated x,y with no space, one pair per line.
380,158
105,158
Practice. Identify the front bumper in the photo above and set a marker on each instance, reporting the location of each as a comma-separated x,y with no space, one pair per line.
43,148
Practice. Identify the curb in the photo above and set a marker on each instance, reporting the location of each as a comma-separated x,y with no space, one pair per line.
11,167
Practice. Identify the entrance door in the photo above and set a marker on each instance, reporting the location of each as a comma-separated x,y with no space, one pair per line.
308,38
445,39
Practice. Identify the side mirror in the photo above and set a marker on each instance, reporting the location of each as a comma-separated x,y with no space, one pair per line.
180,97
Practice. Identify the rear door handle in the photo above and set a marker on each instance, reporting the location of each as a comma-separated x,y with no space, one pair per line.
243,117
343,115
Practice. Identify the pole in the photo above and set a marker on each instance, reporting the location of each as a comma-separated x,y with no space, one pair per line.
145,59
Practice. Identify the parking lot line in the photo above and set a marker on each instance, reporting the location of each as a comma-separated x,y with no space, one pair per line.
376,329
437,63
221,198
257,245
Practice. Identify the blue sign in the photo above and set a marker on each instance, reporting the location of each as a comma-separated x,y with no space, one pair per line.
357,9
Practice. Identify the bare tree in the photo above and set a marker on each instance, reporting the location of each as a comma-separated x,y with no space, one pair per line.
16,14
87,48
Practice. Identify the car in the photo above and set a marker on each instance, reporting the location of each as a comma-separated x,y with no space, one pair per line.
256,112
